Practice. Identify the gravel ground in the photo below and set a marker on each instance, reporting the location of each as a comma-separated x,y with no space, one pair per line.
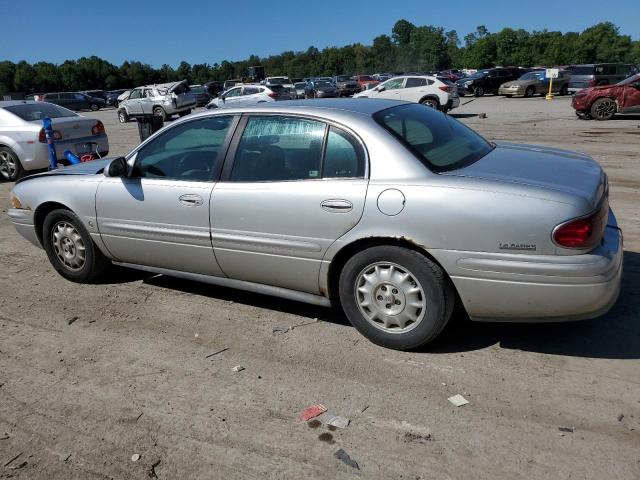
93,374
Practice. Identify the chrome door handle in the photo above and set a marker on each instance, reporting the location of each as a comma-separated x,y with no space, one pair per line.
190,200
337,206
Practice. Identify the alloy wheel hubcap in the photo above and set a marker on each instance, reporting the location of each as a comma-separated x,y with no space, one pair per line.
605,109
68,246
7,165
390,297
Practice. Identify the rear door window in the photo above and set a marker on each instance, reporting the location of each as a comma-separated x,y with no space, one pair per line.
250,90
584,70
276,148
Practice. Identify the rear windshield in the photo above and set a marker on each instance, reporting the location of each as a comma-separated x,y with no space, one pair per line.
276,88
588,70
32,112
300,85
442,143
343,78
279,80
197,89
446,81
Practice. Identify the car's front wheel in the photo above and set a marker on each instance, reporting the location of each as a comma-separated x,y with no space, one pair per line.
94,107
123,117
70,248
10,167
478,91
395,297
603,109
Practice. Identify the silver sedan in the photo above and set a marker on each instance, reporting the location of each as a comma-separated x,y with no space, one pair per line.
392,210
23,144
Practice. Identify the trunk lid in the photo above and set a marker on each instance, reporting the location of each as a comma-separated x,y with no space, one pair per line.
544,167
74,127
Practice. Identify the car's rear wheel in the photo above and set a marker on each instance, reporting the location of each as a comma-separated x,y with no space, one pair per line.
529,92
10,167
70,248
603,109
123,117
94,107
431,102
564,90
478,91
509,96
395,297
159,112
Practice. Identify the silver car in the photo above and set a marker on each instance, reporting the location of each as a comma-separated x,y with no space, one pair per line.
23,146
393,210
162,100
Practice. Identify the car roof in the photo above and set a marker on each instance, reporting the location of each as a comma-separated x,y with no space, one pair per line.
11,103
320,107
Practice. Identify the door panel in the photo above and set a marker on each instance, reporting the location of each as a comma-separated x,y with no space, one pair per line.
145,221
631,100
277,233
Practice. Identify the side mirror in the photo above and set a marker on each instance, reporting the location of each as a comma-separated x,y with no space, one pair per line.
117,168
380,89
637,85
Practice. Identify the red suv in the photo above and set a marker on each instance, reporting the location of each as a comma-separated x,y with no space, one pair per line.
603,102
365,81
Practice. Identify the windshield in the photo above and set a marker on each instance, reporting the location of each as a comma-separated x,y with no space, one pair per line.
33,112
531,76
630,80
197,89
323,83
440,142
343,78
481,73
584,70
300,85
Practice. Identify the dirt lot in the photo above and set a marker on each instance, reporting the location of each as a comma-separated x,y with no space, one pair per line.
92,374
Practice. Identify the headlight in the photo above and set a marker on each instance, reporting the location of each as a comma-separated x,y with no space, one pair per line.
15,201
466,84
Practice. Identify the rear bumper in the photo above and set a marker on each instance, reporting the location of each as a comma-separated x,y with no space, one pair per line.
539,288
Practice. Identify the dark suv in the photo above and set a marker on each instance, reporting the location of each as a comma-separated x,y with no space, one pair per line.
596,74
488,81
75,101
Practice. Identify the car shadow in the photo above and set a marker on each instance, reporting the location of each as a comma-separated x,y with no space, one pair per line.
615,335
333,315
627,116
463,115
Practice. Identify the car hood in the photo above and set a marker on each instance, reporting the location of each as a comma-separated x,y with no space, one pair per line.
86,168
544,167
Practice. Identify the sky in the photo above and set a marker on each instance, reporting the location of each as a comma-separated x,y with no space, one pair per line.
163,31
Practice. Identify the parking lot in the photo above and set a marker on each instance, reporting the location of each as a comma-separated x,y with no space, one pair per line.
93,374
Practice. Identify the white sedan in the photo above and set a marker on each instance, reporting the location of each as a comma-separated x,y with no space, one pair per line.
432,91
23,146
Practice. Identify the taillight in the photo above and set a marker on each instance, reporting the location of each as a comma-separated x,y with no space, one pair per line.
273,95
582,232
42,137
445,88
98,129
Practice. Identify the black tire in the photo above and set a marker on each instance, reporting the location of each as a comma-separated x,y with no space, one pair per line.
94,107
478,92
122,116
437,293
94,263
529,92
431,102
185,113
159,112
564,90
10,167
603,109
509,96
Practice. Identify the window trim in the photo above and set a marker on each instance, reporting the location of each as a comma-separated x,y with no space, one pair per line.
132,157
240,128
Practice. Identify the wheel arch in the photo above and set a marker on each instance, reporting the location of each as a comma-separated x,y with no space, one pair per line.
346,252
41,213
431,96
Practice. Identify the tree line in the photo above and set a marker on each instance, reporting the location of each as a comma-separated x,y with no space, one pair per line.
408,48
